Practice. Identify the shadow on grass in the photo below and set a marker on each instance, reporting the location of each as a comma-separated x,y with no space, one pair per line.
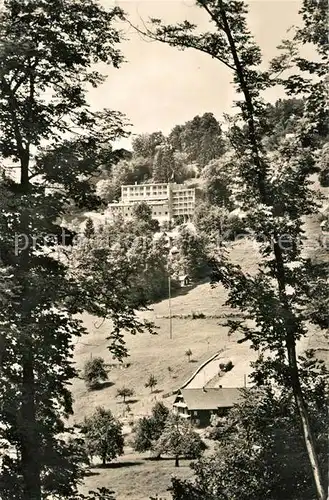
91,473
176,292
128,402
118,465
161,459
102,385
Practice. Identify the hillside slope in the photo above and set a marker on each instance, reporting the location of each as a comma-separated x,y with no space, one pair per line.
153,354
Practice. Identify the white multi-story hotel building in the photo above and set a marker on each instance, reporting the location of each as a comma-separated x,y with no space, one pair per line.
167,201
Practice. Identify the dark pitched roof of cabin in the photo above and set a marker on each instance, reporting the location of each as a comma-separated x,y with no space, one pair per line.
210,399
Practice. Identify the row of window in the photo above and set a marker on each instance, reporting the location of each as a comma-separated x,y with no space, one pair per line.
160,189
147,189
148,197
182,211
130,208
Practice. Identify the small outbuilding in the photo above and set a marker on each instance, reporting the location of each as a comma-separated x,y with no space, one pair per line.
184,280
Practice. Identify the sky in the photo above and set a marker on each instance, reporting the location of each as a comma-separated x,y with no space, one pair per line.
159,86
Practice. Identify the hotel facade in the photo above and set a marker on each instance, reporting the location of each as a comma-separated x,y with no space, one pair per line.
167,201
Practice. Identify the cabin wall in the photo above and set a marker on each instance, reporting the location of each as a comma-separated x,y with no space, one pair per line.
201,418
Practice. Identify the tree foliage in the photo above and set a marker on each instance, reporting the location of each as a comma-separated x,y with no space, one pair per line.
164,164
260,451
145,145
281,118
271,187
218,178
57,144
148,429
192,256
179,439
200,138
94,372
103,435
89,230
125,252
218,225
152,382
124,392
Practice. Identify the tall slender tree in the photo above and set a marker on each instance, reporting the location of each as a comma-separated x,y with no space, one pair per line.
273,188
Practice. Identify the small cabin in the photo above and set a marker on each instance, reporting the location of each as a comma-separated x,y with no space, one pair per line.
184,280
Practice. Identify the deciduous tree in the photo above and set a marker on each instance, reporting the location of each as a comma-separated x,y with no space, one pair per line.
164,164
179,439
94,372
148,429
103,434
56,144
188,354
151,383
200,138
124,392
273,189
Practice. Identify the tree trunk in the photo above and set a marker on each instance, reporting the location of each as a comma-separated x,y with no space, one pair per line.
25,170
104,460
30,453
290,330
29,433
304,418
176,461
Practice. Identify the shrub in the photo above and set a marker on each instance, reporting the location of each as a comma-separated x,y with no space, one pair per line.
228,367
198,315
